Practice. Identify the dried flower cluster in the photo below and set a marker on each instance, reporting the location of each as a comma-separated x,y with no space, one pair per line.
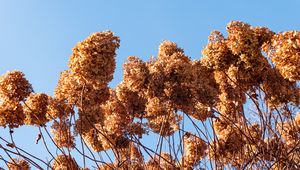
64,162
194,150
18,164
14,86
284,51
93,59
243,106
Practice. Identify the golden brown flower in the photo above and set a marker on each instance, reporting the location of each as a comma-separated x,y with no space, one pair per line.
14,86
263,34
11,114
132,101
165,125
168,48
18,164
135,73
216,54
162,161
35,109
62,134
79,93
241,38
194,149
65,162
92,140
284,50
94,58
57,109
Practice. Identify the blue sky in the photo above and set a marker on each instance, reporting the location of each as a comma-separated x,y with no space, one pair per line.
37,37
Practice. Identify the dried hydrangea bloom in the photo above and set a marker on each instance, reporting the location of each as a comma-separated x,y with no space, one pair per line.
273,148
87,120
168,48
278,90
93,59
284,50
156,107
92,140
135,73
162,161
204,86
132,101
199,111
228,146
11,114
165,125
79,93
249,70
35,109
65,162
216,54
231,99
58,109
130,158
171,66
219,125
263,34
14,86
155,85
110,141
241,38
116,118
177,67
62,134
194,150
18,164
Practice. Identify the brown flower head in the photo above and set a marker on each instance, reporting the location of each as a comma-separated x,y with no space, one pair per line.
62,134
14,86
135,73
79,93
93,59
241,38
65,162
18,164
35,109
194,149
11,114
92,140
58,109
284,50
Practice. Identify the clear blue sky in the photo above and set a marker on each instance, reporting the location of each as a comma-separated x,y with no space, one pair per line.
37,37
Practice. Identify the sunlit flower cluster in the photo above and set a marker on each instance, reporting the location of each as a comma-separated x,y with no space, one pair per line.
18,164
284,50
194,150
64,162
62,134
93,59
241,103
14,86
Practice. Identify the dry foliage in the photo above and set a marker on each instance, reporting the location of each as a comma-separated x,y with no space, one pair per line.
241,98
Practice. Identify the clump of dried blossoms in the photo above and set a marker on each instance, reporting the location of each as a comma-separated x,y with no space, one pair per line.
93,59
284,50
243,105
36,108
65,162
194,150
14,86
18,164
